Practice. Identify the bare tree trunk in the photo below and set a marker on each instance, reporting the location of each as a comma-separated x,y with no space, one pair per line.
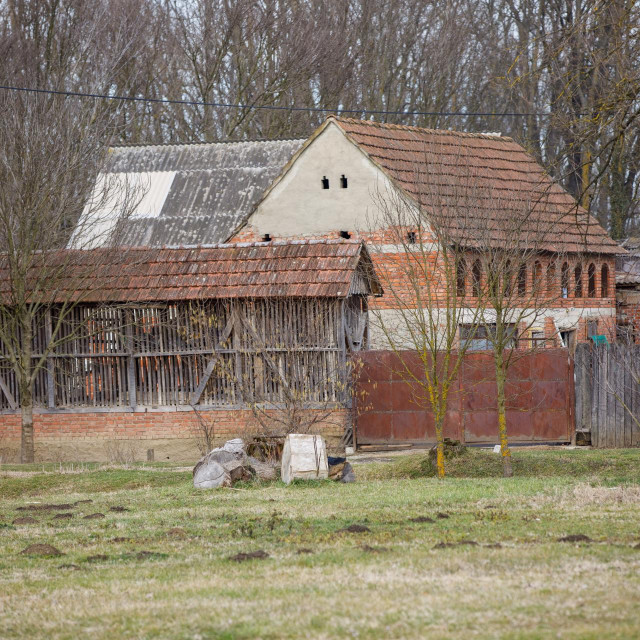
27,452
440,444
505,452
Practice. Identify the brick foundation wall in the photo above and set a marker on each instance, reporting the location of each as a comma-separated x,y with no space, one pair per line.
107,436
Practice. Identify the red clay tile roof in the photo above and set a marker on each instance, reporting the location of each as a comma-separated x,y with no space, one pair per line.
495,178
314,268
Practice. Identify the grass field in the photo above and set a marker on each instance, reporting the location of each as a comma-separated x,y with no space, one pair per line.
485,562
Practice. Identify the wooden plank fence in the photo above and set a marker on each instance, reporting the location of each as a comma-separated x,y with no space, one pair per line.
607,384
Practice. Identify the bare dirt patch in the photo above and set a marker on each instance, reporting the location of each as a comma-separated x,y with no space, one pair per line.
304,550
119,509
370,549
98,557
421,519
494,545
442,515
177,532
70,565
451,545
576,537
77,502
252,555
42,550
355,528
25,520
94,516
62,516
46,507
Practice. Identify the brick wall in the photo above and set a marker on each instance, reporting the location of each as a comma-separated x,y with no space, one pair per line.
172,434
392,273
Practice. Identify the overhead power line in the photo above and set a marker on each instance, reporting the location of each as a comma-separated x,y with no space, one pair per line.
223,105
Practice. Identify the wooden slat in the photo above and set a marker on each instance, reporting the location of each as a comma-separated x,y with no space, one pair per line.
8,395
131,362
195,398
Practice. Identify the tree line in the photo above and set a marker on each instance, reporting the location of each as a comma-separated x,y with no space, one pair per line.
572,66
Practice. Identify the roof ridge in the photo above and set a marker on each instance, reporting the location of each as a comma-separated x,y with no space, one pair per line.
406,127
244,245
129,145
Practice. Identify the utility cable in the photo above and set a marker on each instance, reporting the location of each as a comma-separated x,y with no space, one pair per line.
223,105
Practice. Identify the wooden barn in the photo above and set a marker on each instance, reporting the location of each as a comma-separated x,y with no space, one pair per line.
155,338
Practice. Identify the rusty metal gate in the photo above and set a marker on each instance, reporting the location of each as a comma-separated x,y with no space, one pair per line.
540,388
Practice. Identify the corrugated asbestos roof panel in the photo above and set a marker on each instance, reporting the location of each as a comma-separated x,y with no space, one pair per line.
487,182
632,245
214,188
628,266
224,271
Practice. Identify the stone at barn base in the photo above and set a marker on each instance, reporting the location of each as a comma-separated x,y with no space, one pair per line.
304,456
222,466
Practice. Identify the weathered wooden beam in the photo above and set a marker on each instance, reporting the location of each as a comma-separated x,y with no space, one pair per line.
131,362
51,382
267,358
224,336
5,389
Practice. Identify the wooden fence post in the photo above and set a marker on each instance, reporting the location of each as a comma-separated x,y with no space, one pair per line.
51,390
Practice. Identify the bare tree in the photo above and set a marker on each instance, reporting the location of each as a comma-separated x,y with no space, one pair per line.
424,285
52,152
517,272
578,61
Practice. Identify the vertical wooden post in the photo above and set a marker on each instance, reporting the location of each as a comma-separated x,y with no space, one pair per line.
51,390
594,392
131,363
571,400
342,343
235,341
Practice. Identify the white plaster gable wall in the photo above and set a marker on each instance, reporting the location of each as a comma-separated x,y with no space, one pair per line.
298,205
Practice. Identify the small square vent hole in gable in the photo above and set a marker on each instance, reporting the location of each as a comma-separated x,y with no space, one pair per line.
343,182
325,182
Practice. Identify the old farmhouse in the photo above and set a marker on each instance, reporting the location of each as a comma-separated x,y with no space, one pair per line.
335,183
